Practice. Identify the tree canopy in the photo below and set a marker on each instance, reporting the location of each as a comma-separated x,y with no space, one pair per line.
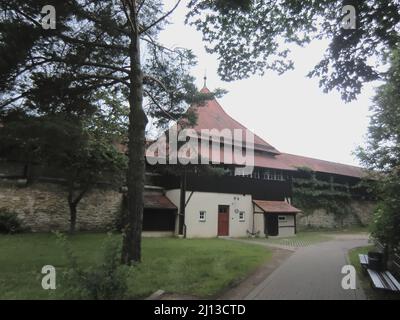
87,52
254,36
83,151
382,153
97,46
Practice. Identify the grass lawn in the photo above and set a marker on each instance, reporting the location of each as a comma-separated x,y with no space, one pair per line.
363,278
200,267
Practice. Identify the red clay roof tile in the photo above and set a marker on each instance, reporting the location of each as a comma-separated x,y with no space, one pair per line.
276,206
321,165
211,115
157,201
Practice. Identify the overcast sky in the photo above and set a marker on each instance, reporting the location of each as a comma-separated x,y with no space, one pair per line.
290,111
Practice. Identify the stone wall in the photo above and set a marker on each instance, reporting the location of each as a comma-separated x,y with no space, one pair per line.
361,215
43,207
364,210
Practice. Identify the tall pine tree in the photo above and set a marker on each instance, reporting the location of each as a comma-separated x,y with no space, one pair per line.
96,45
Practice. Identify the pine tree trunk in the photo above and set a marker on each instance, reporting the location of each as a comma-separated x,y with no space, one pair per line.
131,248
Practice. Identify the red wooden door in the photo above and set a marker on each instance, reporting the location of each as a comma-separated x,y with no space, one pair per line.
223,220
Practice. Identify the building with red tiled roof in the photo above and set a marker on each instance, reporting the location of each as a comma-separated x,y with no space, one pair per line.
211,115
317,165
256,202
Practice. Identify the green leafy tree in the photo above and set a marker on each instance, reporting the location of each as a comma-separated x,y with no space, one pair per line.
382,154
253,36
83,150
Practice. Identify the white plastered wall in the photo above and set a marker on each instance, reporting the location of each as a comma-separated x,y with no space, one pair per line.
259,223
157,234
286,227
208,202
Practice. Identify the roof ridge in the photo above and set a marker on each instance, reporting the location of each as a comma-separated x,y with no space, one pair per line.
329,161
265,144
244,125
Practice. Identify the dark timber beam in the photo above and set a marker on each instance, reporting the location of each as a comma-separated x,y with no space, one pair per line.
182,204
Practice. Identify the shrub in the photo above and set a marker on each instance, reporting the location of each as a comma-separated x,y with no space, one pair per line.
10,223
104,281
385,226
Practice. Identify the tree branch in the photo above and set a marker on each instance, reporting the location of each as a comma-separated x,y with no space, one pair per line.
159,82
80,195
90,43
13,100
154,43
99,76
99,22
104,84
89,64
161,18
64,37
159,106
128,17
140,6
28,68
26,16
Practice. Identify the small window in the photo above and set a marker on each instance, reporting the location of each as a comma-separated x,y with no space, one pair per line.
202,216
256,175
241,216
282,218
271,175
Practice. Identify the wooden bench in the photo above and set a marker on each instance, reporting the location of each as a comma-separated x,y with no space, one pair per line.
383,279
363,261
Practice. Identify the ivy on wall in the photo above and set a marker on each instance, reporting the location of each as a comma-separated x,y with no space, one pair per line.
310,193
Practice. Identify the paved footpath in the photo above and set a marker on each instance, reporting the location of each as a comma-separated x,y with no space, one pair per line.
312,273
